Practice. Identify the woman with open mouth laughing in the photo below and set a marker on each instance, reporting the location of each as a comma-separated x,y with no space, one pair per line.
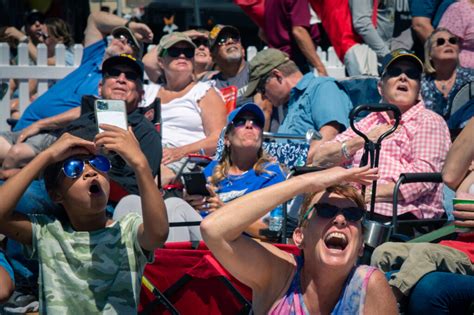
324,279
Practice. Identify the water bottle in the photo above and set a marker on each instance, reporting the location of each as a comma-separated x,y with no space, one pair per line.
276,219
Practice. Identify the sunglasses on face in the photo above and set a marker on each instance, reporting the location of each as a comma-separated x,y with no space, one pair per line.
262,83
125,39
74,167
242,122
201,41
42,34
115,73
441,41
175,52
328,211
413,74
225,39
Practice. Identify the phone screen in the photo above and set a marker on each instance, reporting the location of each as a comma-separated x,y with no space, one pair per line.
195,183
112,112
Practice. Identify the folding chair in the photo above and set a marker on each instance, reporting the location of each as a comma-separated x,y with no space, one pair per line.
185,278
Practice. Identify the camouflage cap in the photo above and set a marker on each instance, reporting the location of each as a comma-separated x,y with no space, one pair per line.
169,40
263,62
125,31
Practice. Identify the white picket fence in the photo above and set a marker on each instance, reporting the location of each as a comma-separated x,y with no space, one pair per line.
23,71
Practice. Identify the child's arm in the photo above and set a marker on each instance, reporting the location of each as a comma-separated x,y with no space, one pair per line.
154,230
16,225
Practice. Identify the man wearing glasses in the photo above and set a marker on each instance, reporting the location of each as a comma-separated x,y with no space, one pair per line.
229,56
420,143
310,102
65,96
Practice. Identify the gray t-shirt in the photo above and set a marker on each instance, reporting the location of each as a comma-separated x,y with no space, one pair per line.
240,81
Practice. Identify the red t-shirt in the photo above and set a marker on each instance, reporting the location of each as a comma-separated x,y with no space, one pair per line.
464,243
336,18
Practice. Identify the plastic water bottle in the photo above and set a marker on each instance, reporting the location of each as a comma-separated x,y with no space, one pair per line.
276,219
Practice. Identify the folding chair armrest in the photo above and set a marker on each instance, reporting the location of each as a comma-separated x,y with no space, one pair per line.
406,178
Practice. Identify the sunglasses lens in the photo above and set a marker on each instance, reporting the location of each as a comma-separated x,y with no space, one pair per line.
131,76
326,211
453,40
413,74
353,214
100,163
73,167
440,42
176,52
201,41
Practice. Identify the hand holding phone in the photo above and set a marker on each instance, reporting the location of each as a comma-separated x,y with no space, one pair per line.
195,184
112,112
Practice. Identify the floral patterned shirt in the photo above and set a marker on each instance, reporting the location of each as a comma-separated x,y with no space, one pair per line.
434,99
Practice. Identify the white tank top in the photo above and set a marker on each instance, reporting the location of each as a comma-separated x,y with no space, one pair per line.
181,118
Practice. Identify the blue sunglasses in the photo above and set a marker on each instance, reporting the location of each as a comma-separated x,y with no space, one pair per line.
73,167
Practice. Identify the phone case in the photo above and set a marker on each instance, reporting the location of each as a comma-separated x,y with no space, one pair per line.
195,183
112,112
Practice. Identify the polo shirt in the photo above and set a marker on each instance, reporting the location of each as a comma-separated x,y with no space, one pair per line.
67,93
315,102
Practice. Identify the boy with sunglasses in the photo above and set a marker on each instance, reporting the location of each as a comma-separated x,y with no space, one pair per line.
87,262
419,145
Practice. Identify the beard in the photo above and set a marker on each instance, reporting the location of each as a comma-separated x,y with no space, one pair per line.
234,56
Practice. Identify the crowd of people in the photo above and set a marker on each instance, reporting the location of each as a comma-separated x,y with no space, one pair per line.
83,210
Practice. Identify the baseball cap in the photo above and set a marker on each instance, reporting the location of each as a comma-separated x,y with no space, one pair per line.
248,107
124,59
172,39
125,31
260,65
399,54
33,16
220,29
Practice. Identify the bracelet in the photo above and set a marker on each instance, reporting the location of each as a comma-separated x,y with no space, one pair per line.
128,23
345,151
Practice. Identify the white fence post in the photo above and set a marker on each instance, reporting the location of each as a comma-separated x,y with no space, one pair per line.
5,101
24,72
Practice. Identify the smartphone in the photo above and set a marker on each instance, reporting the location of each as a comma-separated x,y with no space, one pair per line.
112,112
195,183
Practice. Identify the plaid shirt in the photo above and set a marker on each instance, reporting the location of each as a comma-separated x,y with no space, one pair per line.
419,145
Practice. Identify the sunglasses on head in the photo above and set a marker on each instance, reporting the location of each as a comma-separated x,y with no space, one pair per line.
115,73
413,74
225,38
441,41
242,122
125,39
201,41
73,167
328,211
175,52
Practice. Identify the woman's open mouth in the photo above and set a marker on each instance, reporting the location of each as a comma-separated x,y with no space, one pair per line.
336,240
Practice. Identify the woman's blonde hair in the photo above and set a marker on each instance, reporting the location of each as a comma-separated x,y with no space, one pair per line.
222,168
429,67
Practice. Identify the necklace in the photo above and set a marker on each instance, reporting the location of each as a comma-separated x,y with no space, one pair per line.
443,85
